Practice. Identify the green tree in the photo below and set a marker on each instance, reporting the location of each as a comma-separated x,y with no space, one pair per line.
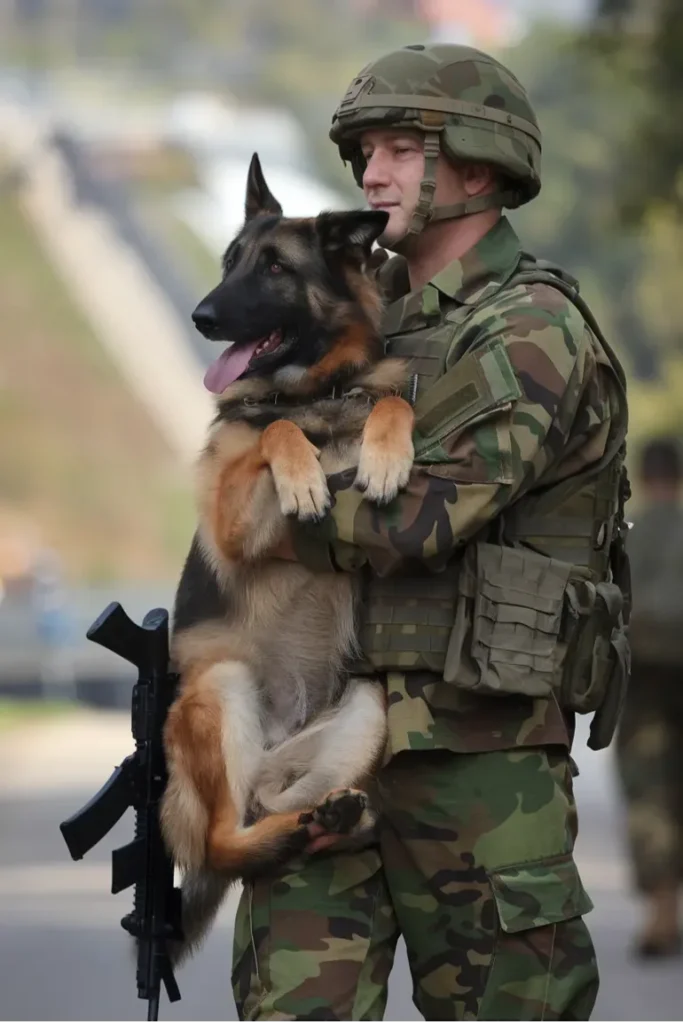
585,110
648,36
589,104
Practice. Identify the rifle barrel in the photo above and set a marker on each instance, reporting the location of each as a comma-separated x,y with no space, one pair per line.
153,1006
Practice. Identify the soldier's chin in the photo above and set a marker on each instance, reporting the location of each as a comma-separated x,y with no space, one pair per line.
395,231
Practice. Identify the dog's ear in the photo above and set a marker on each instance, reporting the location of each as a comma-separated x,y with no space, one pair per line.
259,197
357,229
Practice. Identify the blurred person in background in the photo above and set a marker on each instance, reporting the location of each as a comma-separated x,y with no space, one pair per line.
650,737
517,400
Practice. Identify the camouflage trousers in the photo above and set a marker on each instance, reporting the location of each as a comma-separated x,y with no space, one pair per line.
474,866
650,762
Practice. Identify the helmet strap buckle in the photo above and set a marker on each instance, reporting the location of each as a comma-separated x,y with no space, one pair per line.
424,207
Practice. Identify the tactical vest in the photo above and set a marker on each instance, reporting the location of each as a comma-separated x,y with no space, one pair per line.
537,604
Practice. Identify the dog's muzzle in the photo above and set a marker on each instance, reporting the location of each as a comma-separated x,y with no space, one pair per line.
205,318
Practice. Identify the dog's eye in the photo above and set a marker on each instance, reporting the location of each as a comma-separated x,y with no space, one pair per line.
275,267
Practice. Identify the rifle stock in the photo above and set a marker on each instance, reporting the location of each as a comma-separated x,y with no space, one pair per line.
138,782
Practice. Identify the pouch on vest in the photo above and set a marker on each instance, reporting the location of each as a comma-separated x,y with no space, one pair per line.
595,656
507,622
525,626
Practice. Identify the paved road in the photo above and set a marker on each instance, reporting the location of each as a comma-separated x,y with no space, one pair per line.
63,955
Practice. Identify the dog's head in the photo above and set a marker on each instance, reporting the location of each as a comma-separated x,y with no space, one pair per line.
294,299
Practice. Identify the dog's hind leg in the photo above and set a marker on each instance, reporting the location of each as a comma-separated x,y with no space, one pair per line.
213,743
342,817
337,751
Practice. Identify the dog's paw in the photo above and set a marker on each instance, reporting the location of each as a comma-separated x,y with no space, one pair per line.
299,480
342,811
386,451
344,821
303,493
383,471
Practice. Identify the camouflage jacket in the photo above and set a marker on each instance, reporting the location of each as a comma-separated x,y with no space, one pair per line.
548,413
655,547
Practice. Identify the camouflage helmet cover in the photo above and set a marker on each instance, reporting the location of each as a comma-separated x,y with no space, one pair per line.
479,109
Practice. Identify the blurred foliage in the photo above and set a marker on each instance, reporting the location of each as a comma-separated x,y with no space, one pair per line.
585,110
630,273
646,36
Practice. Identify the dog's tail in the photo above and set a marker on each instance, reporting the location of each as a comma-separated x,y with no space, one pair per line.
192,786
203,892
184,824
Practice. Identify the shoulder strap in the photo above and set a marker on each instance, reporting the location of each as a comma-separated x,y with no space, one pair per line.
390,273
533,271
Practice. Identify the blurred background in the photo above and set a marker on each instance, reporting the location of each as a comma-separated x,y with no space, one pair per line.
126,127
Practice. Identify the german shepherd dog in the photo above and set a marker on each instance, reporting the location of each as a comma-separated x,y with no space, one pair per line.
269,735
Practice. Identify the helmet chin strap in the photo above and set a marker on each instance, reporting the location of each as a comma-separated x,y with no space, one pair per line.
425,212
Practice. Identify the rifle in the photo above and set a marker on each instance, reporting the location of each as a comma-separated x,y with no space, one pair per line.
138,782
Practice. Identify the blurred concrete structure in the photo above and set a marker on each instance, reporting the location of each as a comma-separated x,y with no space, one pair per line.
129,312
216,211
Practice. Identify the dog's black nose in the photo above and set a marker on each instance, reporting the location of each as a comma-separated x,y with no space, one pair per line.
205,318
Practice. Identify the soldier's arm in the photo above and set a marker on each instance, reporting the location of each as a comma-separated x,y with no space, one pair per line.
484,433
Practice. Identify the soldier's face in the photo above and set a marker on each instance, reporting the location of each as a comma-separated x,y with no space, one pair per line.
394,172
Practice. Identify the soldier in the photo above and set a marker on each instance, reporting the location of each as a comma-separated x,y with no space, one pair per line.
650,739
479,579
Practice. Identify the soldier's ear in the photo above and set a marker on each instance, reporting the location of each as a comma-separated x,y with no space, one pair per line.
357,229
259,199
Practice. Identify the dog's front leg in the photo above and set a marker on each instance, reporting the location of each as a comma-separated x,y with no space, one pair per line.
239,507
387,453
299,479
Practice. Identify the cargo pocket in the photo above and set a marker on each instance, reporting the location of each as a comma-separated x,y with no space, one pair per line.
543,965
539,893
338,900
507,621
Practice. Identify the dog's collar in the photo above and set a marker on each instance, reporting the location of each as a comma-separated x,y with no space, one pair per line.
283,398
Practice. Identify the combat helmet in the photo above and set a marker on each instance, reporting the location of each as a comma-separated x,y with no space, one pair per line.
466,103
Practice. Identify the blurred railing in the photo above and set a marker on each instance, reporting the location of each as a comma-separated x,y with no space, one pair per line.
67,664
112,198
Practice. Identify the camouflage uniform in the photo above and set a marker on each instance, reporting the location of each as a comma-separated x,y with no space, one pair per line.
474,864
650,737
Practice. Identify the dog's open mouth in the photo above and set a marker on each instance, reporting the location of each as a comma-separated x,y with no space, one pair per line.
239,359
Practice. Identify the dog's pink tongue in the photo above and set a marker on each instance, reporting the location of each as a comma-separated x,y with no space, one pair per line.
228,367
